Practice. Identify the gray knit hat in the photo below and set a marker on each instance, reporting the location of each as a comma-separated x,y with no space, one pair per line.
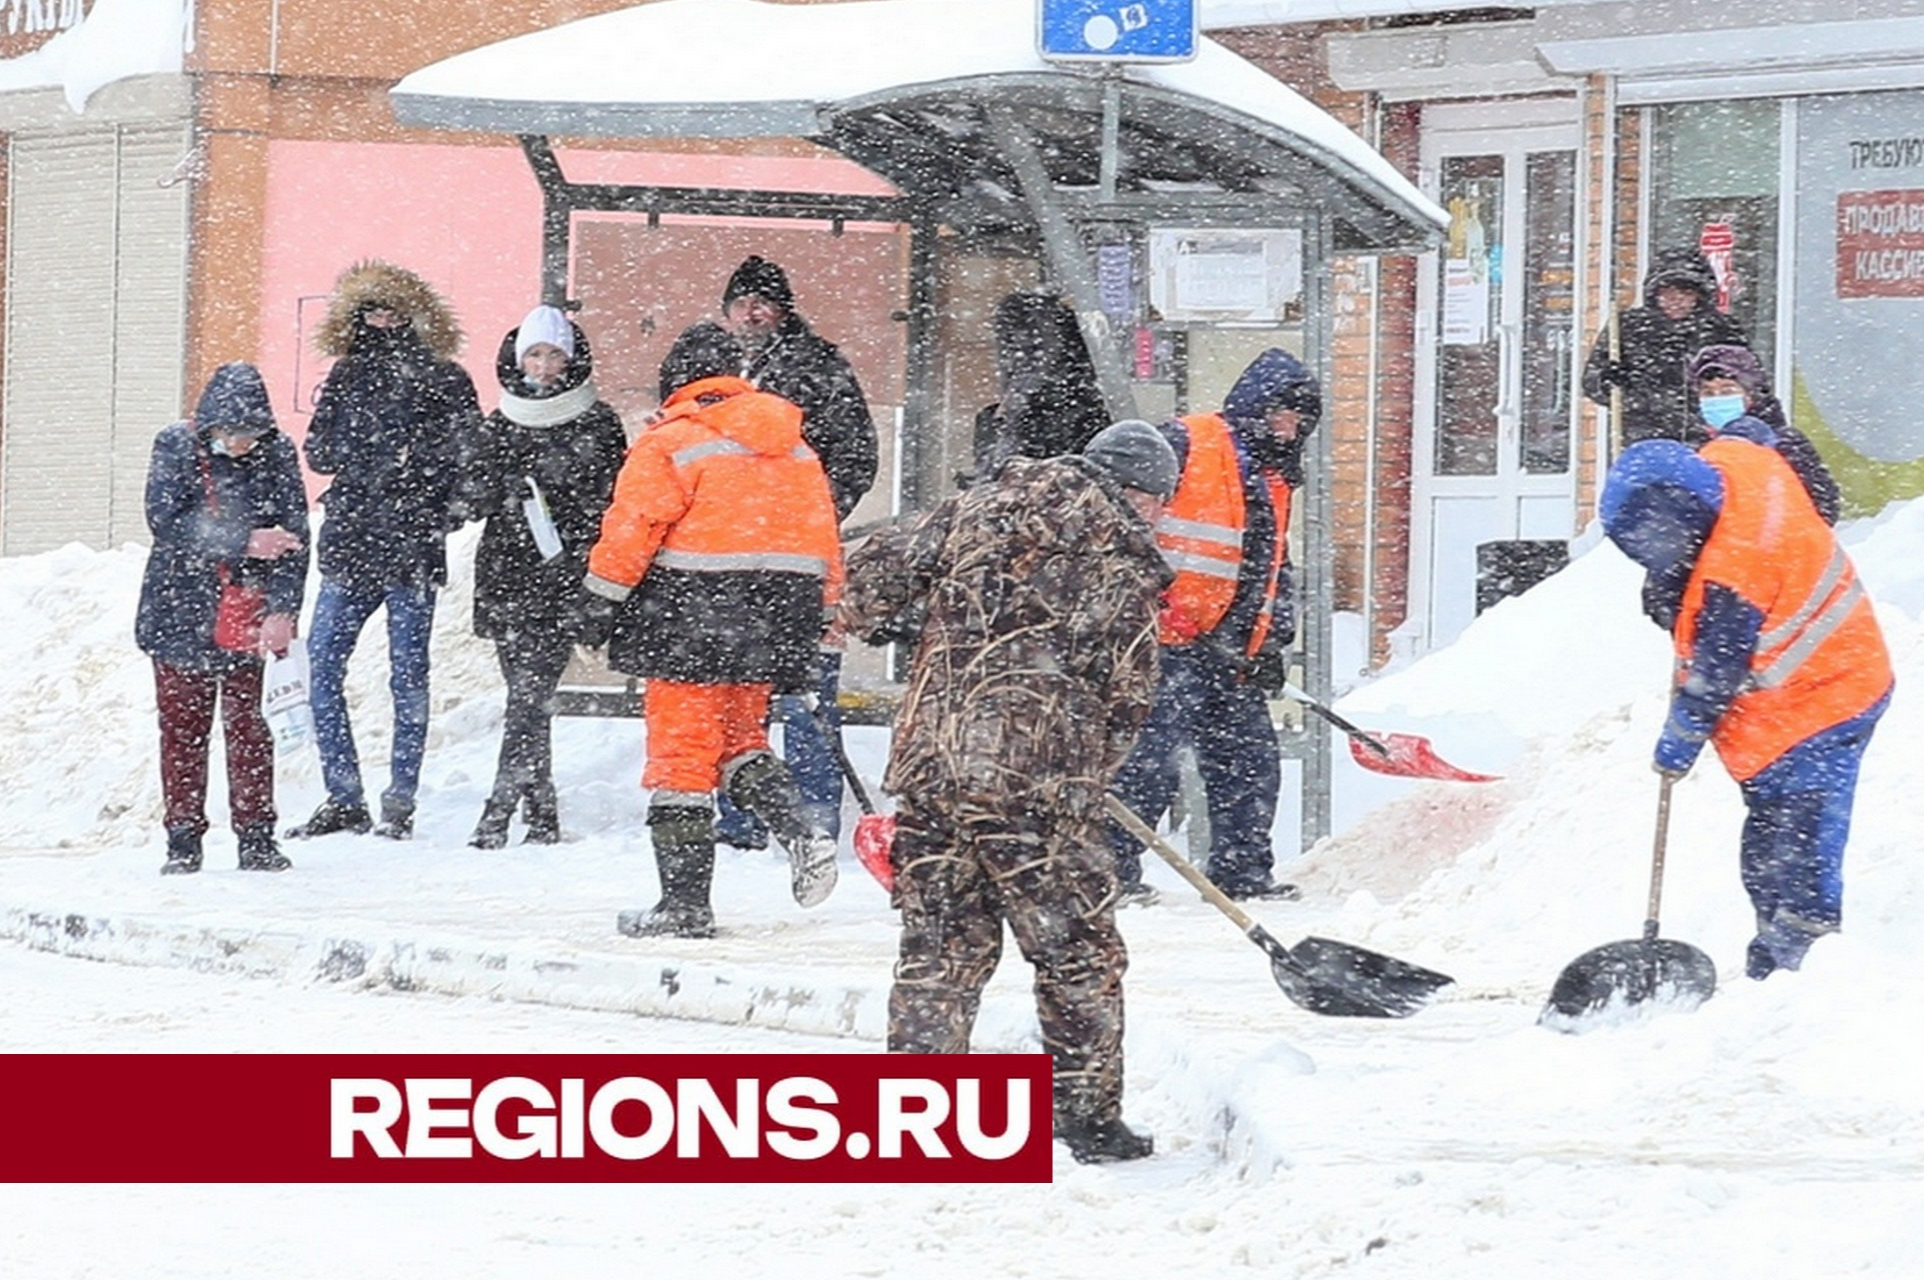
1137,456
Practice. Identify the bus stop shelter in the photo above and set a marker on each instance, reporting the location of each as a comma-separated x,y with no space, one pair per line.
983,141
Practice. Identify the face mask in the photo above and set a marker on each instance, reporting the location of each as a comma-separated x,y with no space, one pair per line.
1721,411
219,445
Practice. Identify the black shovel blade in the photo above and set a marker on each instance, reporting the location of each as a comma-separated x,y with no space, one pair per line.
1630,973
1339,980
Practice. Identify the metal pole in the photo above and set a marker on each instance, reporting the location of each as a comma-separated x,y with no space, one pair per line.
1068,260
1319,554
918,400
556,219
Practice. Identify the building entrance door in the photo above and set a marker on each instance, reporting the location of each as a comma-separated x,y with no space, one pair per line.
1496,360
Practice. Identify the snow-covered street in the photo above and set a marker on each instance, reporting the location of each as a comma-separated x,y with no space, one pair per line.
1778,1129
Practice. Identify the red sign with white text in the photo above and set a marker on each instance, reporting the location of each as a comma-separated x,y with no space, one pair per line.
525,1118
1880,244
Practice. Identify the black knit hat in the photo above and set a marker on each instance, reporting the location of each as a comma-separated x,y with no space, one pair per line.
757,275
704,350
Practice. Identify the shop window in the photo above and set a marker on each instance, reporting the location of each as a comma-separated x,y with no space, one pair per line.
1714,176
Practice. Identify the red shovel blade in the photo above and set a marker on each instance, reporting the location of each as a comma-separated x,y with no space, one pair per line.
1405,755
874,833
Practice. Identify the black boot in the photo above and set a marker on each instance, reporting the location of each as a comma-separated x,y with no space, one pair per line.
331,817
543,814
183,852
258,852
761,784
684,840
492,831
397,821
1093,1141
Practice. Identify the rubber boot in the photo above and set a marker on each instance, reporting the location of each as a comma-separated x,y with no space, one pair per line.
491,832
183,852
1105,1141
761,784
543,814
684,840
258,852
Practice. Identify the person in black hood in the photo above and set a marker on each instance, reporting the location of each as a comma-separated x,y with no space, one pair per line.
783,356
1050,404
540,472
387,429
1678,318
228,512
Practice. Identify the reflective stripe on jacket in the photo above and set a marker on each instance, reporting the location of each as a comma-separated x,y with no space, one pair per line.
1819,657
723,529
1201,532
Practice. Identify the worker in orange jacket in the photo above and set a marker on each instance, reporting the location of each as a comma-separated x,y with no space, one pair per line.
720,555
1780,663
1225,621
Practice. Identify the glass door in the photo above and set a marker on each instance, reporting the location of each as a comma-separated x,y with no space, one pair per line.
1496,361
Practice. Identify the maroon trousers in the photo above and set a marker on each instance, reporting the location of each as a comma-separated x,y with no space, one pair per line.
186,701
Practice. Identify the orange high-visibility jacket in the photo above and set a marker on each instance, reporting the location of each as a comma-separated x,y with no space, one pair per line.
723,529
1820,657
1201,532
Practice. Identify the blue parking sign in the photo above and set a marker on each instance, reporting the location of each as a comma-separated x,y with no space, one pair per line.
1116,30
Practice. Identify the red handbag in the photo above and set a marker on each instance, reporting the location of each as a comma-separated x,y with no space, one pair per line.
239,611
237,618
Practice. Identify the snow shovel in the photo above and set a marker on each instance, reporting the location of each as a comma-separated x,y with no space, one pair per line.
874,832
1646,968
1400,755
1330,978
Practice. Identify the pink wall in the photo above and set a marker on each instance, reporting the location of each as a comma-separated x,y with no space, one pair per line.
466,219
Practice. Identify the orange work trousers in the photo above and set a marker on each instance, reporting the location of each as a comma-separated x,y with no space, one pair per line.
694,729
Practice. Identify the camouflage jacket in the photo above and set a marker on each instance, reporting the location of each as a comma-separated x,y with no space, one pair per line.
1038,659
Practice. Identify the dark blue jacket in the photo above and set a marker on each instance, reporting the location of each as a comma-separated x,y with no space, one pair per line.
387,426
194,536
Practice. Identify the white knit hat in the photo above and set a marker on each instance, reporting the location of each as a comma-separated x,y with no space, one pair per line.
545,324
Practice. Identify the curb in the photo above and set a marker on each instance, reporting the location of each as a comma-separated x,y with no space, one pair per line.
610,984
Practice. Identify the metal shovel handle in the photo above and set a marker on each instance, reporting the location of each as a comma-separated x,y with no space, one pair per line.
1361,735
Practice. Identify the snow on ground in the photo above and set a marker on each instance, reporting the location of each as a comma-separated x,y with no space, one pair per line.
1776,1130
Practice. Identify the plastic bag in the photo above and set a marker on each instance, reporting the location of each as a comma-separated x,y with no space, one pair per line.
284,697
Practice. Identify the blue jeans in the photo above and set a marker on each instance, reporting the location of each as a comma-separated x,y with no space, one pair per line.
1797,820
810,757
1202,700
340,612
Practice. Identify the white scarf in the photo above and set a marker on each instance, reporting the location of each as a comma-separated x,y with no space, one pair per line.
548,411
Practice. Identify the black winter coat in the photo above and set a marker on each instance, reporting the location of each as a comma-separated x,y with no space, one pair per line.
192,540
808,370
1657,405
388,426
574,462
1657,353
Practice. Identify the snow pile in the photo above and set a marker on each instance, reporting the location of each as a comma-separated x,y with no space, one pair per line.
118,39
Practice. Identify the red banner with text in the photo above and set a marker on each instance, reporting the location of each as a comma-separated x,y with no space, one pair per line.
527,1118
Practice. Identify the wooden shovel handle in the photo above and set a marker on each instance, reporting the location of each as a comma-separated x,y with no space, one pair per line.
1657,856
1128,821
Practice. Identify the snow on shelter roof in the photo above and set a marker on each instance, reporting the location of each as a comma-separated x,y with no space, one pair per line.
898,85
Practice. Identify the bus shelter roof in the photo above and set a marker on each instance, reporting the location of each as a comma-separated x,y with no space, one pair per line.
925,92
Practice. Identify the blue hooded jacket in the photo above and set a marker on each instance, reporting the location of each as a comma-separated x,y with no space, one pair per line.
201,507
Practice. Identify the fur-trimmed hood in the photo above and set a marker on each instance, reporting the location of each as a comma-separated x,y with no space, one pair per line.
372,282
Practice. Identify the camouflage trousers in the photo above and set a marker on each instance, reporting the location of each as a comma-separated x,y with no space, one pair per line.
958,878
